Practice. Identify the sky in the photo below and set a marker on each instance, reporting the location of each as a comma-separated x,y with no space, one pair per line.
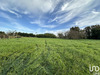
47,16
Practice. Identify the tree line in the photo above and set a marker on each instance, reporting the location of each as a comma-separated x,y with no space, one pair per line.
14,34
89,32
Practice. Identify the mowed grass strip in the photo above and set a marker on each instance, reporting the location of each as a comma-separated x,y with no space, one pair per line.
46,56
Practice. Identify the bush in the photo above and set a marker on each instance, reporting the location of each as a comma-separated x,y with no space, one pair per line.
46,35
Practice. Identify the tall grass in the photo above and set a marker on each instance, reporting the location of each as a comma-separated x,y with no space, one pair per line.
45,56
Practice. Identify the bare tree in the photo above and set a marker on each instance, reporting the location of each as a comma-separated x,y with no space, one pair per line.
60,35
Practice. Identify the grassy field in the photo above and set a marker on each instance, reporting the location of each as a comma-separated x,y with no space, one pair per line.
45,56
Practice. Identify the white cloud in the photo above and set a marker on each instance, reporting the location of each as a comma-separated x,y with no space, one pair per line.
4,8
69,9
4,26
89,18
21,28
33,6
13,25
52,11
4,29
73,8
4,15
14,13
64,6
57,31
42,24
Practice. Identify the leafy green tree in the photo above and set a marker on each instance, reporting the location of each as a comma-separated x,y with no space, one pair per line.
95,32
88,32
92,32
46,35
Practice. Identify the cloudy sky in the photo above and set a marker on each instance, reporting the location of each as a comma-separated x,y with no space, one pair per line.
44,16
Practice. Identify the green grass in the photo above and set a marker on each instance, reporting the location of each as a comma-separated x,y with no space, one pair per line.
45,56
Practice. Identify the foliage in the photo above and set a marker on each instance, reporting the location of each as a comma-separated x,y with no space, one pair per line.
93,32
3,35
60,35
2,32
26,34
46,35
89,32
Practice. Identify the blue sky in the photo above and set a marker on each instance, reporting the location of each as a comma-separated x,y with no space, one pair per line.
47,16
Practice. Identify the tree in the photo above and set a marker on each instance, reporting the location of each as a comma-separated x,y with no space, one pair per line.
3,35
60,35
88,32
66,34
2,32
82,34
49,35
75,29
95,32
46,35
25,34
74,33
